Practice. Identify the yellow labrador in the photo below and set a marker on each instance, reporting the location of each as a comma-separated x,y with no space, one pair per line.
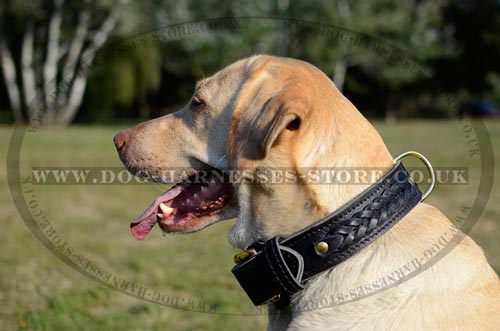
266,112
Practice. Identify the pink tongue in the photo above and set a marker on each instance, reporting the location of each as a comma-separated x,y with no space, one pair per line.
143,224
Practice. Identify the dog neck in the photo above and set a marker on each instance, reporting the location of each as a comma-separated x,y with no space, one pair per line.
290,208
286,262
364,158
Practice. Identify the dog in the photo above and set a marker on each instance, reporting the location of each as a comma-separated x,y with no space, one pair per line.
267,112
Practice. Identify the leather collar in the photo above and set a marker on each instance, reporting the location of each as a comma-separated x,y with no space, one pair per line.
280,267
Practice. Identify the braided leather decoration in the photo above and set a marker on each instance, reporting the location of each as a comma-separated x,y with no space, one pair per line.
283,265
358,225
351,230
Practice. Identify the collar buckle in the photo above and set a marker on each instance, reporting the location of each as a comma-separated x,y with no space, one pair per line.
243,255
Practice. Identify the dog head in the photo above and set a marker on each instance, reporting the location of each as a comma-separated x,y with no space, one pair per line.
258,118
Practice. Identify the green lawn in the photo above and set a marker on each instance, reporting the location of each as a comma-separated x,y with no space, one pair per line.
39,292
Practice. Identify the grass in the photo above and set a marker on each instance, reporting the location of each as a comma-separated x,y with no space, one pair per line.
39,292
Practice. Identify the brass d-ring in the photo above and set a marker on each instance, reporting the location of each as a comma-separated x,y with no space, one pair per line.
427,164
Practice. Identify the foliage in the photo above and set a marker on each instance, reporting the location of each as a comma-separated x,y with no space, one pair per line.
122,86
391,58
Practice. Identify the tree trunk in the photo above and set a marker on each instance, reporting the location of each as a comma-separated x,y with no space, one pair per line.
68,111
342,62
60,98
9,74
340,72
51,59
74,52
28,74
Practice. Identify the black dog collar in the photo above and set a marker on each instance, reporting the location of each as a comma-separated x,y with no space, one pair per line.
275,270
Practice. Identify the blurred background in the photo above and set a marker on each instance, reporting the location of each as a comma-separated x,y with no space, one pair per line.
84,70
43,43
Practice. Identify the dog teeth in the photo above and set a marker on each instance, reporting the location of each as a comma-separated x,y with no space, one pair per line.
204,188
160,216
166,209
196,196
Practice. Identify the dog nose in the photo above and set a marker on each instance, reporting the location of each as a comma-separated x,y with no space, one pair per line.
120,140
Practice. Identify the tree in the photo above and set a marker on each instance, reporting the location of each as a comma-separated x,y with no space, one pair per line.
476,29
43,59
414,26
121,87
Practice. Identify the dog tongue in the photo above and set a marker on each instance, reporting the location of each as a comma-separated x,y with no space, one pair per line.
143,224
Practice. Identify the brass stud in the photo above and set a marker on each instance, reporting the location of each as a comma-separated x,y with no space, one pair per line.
322,247
244,255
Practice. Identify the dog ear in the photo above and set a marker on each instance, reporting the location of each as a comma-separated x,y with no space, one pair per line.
256,129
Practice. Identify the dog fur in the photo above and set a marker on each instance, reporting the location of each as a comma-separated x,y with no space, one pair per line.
269,112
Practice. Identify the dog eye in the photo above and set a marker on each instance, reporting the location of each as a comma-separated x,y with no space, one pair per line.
197,102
